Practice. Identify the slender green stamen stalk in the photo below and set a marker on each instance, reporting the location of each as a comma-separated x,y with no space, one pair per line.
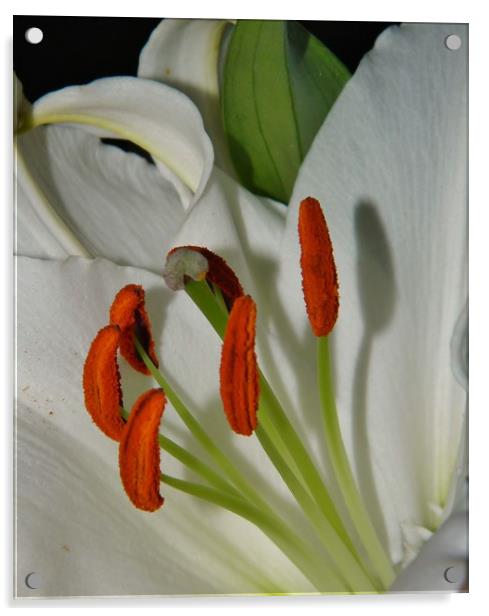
199,433
351,572
290,444
201,294
274,434
219,299
246,490
205,300
191,462
193,425
318,574
342,469
221,486
196,465
310,474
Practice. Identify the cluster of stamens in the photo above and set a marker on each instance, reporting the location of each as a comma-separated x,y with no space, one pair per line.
139,458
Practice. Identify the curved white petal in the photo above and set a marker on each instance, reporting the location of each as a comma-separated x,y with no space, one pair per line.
78,196
76,528
161,120
185,53
389,167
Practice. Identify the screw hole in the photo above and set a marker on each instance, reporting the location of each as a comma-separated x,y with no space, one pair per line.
453,42
34,36
33,580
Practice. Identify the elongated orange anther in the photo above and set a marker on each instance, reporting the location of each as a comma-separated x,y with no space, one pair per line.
139,452
214,269
128,312
239,370
101,382
319,277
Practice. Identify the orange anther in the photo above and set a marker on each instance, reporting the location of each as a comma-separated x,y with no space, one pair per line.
218,273
239,370
139,451
319,277
129,313
101,382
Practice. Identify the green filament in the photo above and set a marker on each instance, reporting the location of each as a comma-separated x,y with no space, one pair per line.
320,575
343,472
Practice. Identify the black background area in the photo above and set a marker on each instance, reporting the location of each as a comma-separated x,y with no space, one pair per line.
76,50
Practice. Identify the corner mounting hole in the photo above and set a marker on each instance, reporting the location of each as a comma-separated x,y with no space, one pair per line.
34,36
453,42
33,580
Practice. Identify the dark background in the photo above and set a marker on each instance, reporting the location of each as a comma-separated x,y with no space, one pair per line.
76,50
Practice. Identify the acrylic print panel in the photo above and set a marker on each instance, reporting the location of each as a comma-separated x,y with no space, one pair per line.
241,271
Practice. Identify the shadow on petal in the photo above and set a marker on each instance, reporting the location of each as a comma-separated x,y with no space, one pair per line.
377,294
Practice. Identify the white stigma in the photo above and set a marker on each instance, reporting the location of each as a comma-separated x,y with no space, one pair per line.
184,263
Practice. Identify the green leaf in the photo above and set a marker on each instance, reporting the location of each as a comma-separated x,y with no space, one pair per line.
279,84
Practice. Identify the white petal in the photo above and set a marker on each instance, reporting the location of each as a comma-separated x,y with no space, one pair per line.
40,232
389,167
76,529
76,195
161,120
75,526
185,54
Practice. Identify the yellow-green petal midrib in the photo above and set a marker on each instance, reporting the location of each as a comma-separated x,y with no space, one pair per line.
119,131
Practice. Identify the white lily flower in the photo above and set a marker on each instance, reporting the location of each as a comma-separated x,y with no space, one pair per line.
389,168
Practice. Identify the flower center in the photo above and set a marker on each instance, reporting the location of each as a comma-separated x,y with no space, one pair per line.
250,406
